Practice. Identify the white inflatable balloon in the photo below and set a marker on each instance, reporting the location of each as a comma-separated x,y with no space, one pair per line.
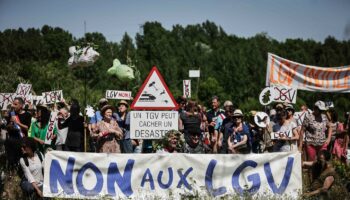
82,57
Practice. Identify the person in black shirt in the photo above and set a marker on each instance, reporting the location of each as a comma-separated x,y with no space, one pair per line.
225,129
75,124
212,115
19,116
17,127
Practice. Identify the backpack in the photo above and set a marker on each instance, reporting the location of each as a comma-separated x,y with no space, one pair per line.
37,153
26,162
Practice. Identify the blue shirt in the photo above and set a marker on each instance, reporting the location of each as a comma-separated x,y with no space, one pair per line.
96,118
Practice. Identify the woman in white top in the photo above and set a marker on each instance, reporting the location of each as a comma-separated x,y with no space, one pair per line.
287,134
32,164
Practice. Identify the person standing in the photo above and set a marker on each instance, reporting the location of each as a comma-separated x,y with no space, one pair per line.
190,120
20,117
62,133
75,124
38,129
238,141
314,127
288,134
108,132
212,115
123,119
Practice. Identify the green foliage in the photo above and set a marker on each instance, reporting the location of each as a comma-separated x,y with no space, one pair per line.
231,67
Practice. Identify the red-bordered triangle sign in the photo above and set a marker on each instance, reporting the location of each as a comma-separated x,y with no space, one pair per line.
154,94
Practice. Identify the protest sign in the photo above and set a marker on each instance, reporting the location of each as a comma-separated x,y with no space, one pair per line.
116,94
38,100
52,97
299,117
6,99
50,128
187,88
278,93
24,91
281,71
164,176
152,124
281,134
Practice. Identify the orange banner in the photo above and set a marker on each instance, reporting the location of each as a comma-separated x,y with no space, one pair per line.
281,71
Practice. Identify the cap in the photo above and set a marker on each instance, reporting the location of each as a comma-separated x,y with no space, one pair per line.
320,105
123,102
237,113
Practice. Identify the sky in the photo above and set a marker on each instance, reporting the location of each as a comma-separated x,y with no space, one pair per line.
280,19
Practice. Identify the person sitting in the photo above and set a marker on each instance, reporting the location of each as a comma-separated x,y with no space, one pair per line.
325,179
32,164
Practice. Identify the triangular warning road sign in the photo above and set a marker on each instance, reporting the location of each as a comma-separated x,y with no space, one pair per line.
154,94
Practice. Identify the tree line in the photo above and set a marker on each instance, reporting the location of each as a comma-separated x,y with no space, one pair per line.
231,67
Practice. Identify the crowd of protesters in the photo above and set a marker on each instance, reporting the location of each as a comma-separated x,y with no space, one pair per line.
217,130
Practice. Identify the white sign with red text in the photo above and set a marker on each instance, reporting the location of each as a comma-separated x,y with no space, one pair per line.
116,94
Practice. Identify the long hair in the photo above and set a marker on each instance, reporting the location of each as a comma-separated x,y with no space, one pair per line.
29,142
45,116
192,107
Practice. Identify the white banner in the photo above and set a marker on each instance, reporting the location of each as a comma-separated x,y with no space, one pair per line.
116,94
187,88
278,93
164,176
6,99
281,71
152,124
52,97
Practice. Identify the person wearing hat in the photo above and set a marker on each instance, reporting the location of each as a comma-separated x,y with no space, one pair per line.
314,127
238,141
38,129
108,132
123,118
290,113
